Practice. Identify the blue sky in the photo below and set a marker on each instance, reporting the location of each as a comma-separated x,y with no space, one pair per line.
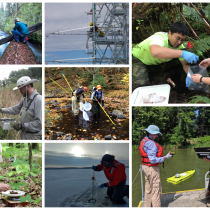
83,154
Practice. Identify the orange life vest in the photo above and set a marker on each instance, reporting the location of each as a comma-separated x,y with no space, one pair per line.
144,156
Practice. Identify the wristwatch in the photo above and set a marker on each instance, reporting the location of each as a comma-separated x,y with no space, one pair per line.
201,80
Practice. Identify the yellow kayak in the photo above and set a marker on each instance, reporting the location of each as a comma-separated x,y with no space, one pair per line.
180,177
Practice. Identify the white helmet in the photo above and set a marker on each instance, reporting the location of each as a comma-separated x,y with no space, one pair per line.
152,129
23,81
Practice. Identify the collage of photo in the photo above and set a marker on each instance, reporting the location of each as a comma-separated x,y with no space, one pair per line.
133,73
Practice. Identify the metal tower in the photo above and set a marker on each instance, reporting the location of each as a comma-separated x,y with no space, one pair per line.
110,43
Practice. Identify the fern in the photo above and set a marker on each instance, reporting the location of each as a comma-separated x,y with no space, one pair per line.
199,47
196,99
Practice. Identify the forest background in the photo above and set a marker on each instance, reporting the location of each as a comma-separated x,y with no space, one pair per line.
181,127
29,13
149,18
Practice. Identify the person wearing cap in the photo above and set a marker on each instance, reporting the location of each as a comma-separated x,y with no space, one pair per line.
151,156
29,110
77,98
115,173
97,97
20,31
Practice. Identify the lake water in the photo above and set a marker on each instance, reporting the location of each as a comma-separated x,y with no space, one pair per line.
183,160
63,183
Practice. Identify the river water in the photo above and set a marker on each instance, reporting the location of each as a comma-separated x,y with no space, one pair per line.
37,50
183,160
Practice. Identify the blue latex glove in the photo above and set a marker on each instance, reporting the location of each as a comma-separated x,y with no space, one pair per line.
101,186
188,79
94,167
189,57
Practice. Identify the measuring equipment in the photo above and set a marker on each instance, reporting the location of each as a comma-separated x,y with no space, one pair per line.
5,123
92,200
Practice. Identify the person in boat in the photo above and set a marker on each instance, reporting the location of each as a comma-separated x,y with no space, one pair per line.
197,78
20,31
29,110
152,155
115,173
77,97
159,48
97,97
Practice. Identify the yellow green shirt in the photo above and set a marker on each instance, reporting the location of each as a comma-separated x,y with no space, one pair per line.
142,51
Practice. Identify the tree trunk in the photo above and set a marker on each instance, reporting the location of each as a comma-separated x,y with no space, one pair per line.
31,29
30,155
35,146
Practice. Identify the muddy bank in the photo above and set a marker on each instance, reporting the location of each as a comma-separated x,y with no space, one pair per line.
18,53
99,196
61,124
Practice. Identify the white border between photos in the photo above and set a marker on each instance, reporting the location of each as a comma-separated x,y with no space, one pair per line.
43,91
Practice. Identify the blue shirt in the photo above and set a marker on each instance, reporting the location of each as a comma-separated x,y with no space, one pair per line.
21,27
151,149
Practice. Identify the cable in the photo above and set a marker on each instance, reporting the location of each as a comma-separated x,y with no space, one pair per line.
66,24
135,177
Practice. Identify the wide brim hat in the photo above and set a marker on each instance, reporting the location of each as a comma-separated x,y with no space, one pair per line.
23,81
152,129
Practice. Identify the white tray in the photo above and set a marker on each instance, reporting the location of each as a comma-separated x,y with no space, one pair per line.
7,193
160,90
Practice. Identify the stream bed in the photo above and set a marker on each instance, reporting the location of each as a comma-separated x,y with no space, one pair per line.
61,124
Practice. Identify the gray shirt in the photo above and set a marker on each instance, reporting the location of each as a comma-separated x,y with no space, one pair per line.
35,108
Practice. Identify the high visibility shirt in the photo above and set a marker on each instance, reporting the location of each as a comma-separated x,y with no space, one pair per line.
142,51
115,174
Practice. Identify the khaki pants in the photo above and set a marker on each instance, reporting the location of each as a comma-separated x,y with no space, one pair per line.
153,189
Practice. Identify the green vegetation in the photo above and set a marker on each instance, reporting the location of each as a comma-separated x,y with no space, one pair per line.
149,18
181,126
29,13
19,175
